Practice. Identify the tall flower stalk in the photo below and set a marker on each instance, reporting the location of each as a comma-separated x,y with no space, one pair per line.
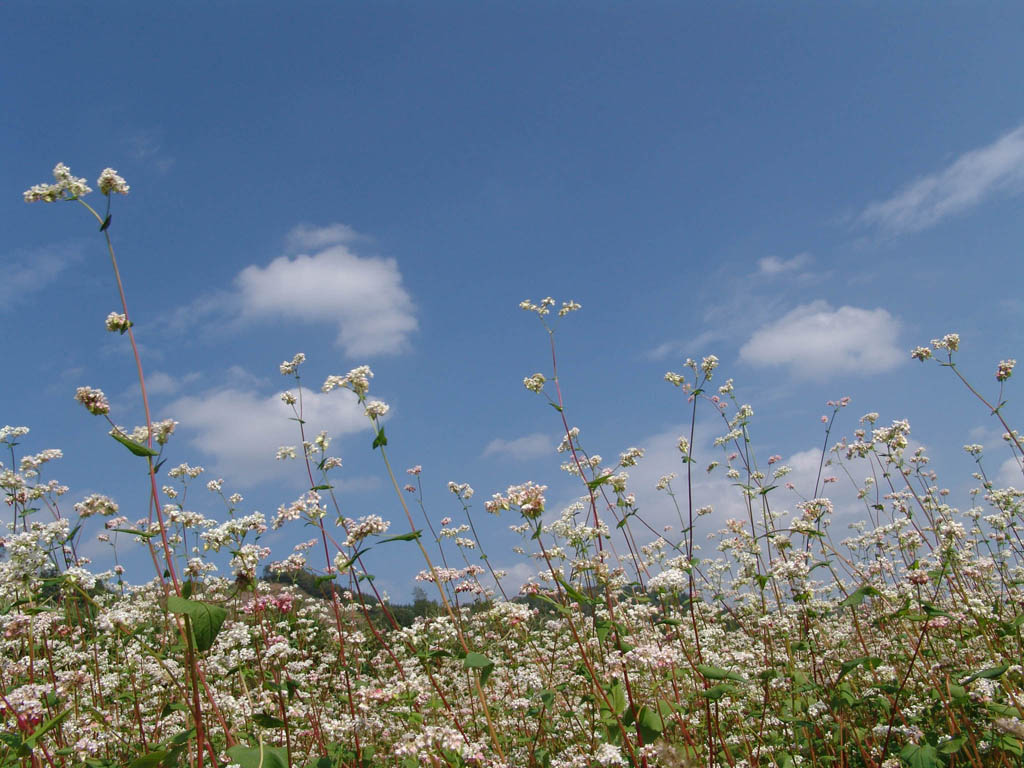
67,187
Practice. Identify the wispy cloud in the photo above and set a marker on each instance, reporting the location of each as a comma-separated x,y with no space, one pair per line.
972,177
240,430
817,341
1011,473
521,448
732,300
145,147
693,347
773,265
24,273
307,237
162,383
362,296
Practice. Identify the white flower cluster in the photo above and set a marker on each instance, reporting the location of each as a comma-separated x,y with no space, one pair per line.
534,383
528,497
233,531
65,187
185,470
357,380
110,183
367,525
247,559
306,506
117,322
96,504
376,408
94,400
288,368
463,490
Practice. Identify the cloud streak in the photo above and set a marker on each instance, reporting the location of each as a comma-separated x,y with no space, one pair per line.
25,273
773,265
307,237
241,430
362,295
974,176
816,341
521,448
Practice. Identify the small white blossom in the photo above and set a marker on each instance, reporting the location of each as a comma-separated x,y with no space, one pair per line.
110,183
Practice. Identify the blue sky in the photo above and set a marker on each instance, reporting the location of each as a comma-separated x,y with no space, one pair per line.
805,191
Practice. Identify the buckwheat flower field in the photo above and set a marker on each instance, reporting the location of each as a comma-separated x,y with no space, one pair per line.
778,642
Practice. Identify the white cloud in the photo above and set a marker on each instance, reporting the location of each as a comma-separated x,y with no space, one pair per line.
773,265
693,347
818,342
362,295
161,383
521,448
241,430
975,175
1010,474
145,147
307,237
24,273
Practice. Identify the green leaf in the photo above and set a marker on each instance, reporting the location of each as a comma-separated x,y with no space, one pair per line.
476,660
404,537
267,721
557,606
986,674
1010,744
380,439
12,740
617,696
137,448
49,725
1002,709
921,756
134,532
950,746
182,737
718,691
106,223
150,760
574,593
932,611
649,724
206,619
716,673
848,666
345,567
321,487
259,757
858,595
